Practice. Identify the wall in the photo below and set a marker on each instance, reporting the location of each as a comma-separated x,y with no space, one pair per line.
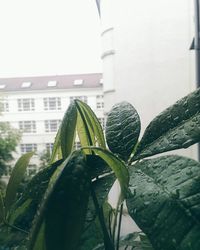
146,56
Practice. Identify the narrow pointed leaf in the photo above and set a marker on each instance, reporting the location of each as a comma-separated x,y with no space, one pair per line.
122,129
67,130
86,139
176,127
15,179
93,124
118,167
165,201
56,152
64,206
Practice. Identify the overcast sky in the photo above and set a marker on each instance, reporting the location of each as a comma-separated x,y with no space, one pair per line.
47,37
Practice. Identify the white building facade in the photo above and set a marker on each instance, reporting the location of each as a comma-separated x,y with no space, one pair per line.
36,105
146,56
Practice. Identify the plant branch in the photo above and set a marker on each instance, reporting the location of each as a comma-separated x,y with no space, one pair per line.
16,228
119,225
107,241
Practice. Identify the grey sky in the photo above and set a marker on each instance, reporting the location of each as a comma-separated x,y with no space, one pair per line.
49,37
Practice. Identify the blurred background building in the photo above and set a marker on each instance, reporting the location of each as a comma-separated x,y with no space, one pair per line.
36,105
146,54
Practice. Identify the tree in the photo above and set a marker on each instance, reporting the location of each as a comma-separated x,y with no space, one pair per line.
9,138
45,159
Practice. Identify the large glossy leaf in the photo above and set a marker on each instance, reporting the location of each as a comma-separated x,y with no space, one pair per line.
16,177
91,124
176,127
117,166
67,130
64,206
165,201
122,129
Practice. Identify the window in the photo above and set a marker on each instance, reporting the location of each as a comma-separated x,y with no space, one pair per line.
27,126
51,125
2,86
26,104
52,103
31,169
100,102
26,84
25,148
102,121
78,82
101,81
82,98
49,147
52,83
4,106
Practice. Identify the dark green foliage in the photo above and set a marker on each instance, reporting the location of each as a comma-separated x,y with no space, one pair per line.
176,127
63,210
65,206
165,201
25,208
122,129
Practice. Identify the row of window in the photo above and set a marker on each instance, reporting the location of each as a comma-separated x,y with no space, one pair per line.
29,147
49,103
49,125
30,126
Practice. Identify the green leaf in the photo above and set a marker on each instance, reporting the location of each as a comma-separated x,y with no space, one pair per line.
2,208
64,206
56,152
176,127
91,124
16,177
122,129
98,166
24,210
83,133
40,241
165,201
67,130
118,167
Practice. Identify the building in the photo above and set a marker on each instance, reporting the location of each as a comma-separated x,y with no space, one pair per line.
36,105
146,54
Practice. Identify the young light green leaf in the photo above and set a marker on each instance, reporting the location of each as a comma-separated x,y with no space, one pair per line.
118,167
67,130
122,129
86,139
165,201
64,206
16,177
176,127
93,125
56,152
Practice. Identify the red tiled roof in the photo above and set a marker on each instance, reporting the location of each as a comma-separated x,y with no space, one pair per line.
41,82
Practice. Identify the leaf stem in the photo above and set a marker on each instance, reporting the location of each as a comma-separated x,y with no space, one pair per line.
119,225
15,227
107,241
